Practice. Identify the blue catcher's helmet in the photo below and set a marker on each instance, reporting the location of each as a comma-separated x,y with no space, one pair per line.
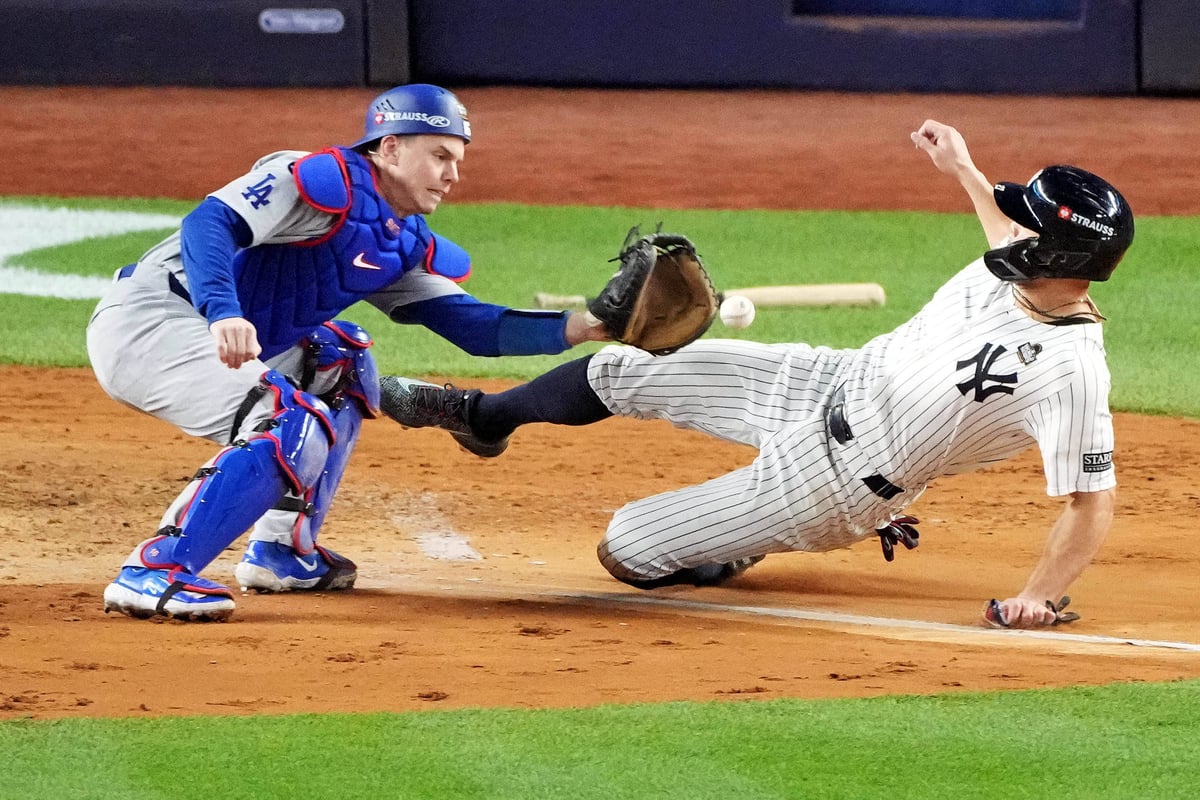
1083,226
416,108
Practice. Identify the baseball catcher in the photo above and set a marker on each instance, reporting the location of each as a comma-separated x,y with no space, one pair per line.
660,298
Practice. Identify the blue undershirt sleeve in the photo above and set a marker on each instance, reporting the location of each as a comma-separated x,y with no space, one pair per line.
484,329
210,237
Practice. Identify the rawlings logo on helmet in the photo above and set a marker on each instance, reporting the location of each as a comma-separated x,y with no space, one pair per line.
435,120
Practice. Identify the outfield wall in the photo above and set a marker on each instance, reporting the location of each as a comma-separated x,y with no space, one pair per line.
978,46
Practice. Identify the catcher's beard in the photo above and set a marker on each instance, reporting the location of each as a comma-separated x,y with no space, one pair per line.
561,396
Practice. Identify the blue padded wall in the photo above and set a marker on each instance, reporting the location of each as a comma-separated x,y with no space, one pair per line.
182,42
962,9
763,43
1170,46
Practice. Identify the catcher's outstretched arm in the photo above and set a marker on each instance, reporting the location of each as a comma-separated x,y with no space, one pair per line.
581,327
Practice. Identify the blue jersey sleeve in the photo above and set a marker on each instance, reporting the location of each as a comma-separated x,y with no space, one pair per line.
210,237
484,329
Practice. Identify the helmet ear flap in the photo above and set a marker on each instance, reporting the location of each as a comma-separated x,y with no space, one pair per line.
1011,261
1043,257
1059,263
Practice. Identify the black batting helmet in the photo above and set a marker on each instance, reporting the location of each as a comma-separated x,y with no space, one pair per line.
1083,226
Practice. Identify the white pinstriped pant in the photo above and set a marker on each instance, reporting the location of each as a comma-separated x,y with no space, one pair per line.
800,493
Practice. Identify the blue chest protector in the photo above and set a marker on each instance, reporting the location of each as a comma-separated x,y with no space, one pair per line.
287,290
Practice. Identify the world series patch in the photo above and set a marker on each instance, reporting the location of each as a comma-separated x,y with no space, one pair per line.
1097,462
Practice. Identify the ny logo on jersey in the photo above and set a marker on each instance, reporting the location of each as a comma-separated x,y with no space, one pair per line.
259,192
983,361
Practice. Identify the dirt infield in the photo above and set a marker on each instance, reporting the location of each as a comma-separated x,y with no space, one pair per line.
526,617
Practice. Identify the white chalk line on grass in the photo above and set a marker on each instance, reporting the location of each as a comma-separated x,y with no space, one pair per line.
857,620
25,228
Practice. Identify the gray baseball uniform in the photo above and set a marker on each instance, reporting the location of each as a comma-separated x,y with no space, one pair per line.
179,377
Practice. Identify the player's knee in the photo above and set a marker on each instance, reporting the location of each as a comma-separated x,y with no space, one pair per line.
638,579
611,563
339,364
622,569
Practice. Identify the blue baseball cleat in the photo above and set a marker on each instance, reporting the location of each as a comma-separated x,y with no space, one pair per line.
274,567
143,593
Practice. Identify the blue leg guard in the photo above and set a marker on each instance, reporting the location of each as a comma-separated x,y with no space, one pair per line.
340,369
283,554
347,422
287,453
296,520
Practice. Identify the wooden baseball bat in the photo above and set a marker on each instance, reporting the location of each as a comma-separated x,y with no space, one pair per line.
814,294
547,300
803,294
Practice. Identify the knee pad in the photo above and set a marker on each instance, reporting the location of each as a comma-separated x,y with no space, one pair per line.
339,363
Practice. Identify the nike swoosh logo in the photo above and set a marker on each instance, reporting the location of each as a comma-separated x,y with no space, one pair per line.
359,261
307,566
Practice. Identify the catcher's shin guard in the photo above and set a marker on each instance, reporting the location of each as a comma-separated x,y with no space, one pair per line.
340,369
296,521
288,452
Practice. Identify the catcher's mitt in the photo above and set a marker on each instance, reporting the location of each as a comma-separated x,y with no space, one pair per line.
661,298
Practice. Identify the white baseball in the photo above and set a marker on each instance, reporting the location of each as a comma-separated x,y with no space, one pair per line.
737,311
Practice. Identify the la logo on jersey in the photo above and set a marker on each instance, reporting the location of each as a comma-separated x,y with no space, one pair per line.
259,193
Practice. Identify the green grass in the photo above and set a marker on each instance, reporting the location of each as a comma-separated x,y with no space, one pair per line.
1120,741
520,250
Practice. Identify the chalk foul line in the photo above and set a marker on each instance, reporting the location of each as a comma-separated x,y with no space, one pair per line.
868,621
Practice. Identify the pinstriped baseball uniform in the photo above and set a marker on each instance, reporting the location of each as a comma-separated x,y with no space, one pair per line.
848,438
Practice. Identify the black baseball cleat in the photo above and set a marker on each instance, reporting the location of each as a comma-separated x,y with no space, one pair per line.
716,574
417,404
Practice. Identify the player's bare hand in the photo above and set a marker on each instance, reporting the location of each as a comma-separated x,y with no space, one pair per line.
1019,612
237,341
944,145
583,327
